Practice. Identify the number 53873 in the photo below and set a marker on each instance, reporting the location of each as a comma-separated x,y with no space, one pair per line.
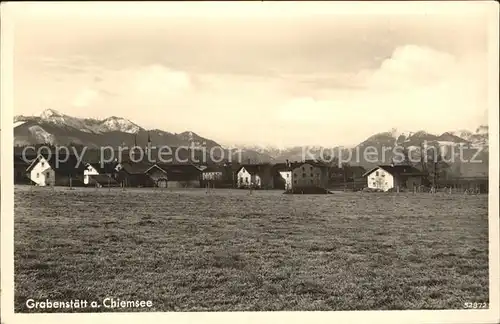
475,305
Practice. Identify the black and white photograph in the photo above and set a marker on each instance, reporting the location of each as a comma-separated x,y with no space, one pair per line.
243,158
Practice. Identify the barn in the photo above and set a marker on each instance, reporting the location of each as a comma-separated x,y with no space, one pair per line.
158,175
132,174
182,175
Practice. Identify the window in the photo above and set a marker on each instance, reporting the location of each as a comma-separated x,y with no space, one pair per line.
303,169
295,174
383,174
374,183
47,175
376,173
246,179
38,175
311,168
312,175
295,182
288,175
303,175
386,183
43,164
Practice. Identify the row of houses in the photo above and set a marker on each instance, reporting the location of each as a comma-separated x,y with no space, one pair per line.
69,171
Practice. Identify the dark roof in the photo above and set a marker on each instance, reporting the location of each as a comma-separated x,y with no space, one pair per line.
181,172
155,167
293,165
136,167
397,170
108,167
62,164
180,168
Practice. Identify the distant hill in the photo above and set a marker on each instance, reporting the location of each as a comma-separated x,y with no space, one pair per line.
59,129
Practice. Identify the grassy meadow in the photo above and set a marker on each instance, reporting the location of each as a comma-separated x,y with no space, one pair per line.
187,250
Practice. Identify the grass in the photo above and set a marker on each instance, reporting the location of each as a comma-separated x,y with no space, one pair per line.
230,251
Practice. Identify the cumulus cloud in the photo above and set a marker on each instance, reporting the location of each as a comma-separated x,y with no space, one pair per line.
416,88
411,66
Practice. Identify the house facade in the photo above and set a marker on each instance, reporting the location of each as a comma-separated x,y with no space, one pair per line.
307,175
303,175
386,177
258,176
41,172
90,170
213,173
158,175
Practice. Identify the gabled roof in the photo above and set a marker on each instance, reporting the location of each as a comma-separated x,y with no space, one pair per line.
108,167
396,170
136,167
186,168
61,164
155,166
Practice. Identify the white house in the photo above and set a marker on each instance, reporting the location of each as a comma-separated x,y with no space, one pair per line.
386,177
41,172
90,170
248,177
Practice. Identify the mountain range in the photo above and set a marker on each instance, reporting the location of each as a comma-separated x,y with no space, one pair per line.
60,129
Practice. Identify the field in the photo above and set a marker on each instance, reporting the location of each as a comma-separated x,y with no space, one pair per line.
187,250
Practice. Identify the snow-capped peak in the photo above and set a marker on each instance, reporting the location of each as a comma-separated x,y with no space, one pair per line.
396,133
49,113
119,124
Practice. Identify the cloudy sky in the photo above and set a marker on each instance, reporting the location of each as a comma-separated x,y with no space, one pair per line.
257,73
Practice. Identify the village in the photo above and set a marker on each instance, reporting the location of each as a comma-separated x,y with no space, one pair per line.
309,176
